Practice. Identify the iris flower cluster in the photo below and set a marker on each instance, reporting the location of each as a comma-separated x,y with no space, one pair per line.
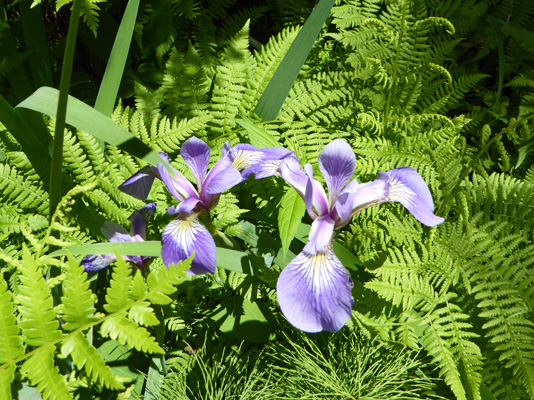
314,289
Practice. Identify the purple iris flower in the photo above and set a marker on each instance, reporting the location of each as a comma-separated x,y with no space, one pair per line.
185,234
116,233
314,289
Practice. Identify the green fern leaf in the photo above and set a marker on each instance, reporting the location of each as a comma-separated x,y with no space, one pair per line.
229,83
11,346
162,281
85,355
15,189
7,375
78,301
38,320
42,374
117,293
143,314
138,288
119,327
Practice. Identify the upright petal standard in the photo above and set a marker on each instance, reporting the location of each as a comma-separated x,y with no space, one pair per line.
314,290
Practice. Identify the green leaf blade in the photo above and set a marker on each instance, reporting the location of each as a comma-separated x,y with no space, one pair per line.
292,209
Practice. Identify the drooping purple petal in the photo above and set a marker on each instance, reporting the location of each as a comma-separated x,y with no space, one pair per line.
140,183
408,188
337,162
139,220
185,235
179,187
292,173
114,232
196,154
315,196
322,230
96,262
314,292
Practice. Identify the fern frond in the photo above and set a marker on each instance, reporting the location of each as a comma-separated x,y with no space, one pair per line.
161,282
15,189
117,294
43,374
7,375
78,301
39,322
168,136
185,83
119,327
11,345
84,355
229,83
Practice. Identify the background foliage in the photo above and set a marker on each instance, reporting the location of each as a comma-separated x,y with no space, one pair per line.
445,87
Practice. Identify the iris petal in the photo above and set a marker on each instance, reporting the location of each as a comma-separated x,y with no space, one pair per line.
322,230
292,173
315,197
179,187
114,232
314,292
337,162
96,262
225,179
196,154
139,220
260,162
409,189
185,235
140,183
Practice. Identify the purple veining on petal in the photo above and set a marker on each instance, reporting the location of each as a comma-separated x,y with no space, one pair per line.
139,184
196,154
314,292
336,162
409,189
185,235
321,233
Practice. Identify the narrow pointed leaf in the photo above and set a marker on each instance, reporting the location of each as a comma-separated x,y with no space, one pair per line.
279,86
87,119
107,94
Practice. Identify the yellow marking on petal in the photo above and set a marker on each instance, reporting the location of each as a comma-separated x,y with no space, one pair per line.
245,158
185,229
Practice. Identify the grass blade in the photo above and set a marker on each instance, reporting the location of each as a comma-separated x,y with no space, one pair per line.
279,86
89,120
107,94
35,38
61,111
